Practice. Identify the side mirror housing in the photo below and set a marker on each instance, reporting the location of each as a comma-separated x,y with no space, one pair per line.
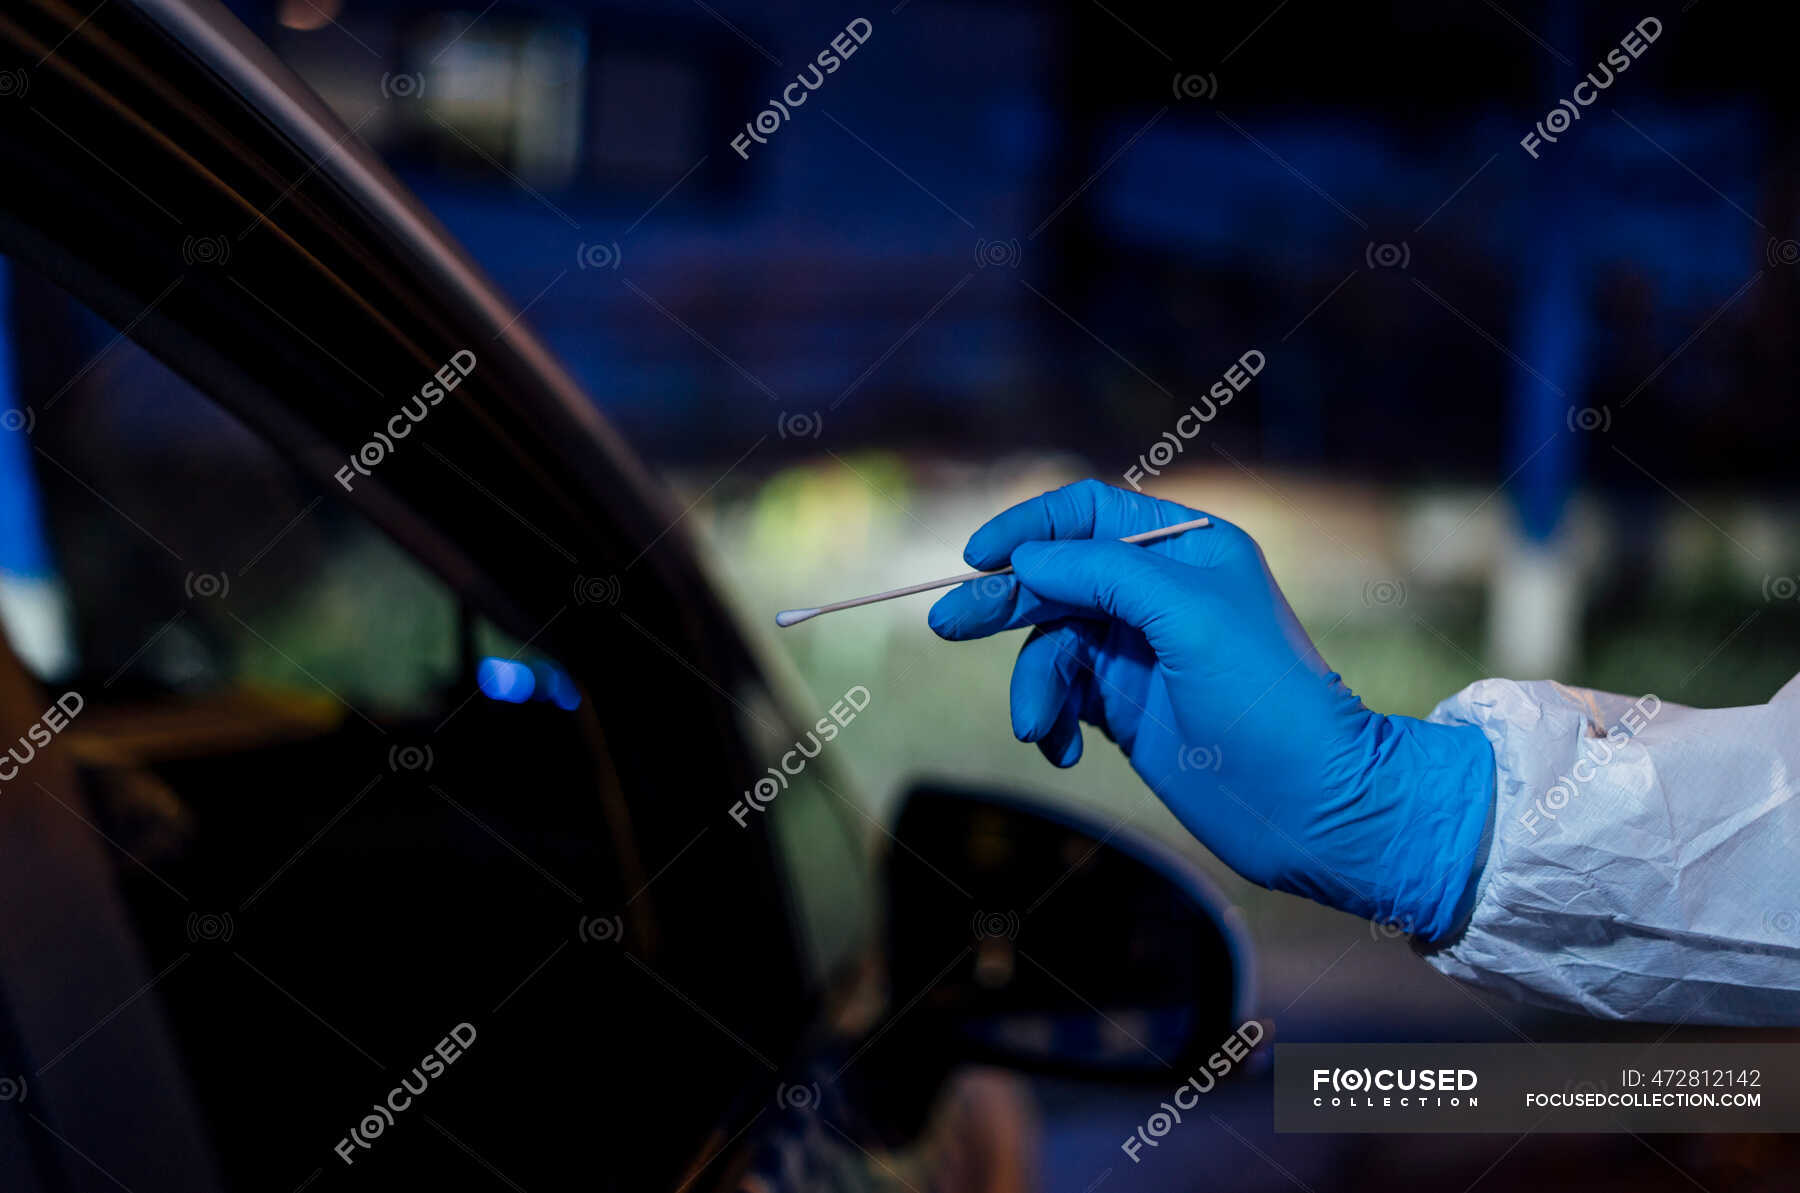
1043,939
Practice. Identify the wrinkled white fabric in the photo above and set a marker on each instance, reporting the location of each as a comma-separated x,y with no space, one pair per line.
1657,880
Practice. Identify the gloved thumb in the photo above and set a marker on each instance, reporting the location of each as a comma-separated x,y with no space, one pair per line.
1104,578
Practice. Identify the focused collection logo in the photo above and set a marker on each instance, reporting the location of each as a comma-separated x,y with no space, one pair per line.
1351,1088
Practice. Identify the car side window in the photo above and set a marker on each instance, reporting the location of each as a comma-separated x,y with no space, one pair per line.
330,801
153,543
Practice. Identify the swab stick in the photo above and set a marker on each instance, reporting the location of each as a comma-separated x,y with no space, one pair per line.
790,617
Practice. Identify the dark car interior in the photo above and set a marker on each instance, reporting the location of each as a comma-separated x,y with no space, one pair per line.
322,862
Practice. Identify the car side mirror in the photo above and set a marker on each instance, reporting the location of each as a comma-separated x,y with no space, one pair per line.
1044,939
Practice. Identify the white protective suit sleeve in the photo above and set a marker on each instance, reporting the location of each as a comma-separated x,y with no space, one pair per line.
1643,860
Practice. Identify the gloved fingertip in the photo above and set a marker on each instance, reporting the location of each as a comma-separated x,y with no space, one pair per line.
984,550
944,617
1062,745
1037,698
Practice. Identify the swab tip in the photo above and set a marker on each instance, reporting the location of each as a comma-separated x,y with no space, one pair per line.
788,617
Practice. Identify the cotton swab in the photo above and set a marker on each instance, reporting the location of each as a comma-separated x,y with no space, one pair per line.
791,617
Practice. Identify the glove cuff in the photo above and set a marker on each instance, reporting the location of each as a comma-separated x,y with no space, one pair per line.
1444,780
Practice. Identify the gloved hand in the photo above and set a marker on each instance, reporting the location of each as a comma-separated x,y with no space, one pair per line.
1185,653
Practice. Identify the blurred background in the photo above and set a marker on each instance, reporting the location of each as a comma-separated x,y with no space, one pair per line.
1520,415
1521,412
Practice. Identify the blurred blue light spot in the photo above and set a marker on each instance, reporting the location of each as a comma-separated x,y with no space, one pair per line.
554,685
503,679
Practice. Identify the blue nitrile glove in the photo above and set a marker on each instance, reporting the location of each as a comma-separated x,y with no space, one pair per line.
1186,654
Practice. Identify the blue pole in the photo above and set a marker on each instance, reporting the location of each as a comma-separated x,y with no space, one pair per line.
24,552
